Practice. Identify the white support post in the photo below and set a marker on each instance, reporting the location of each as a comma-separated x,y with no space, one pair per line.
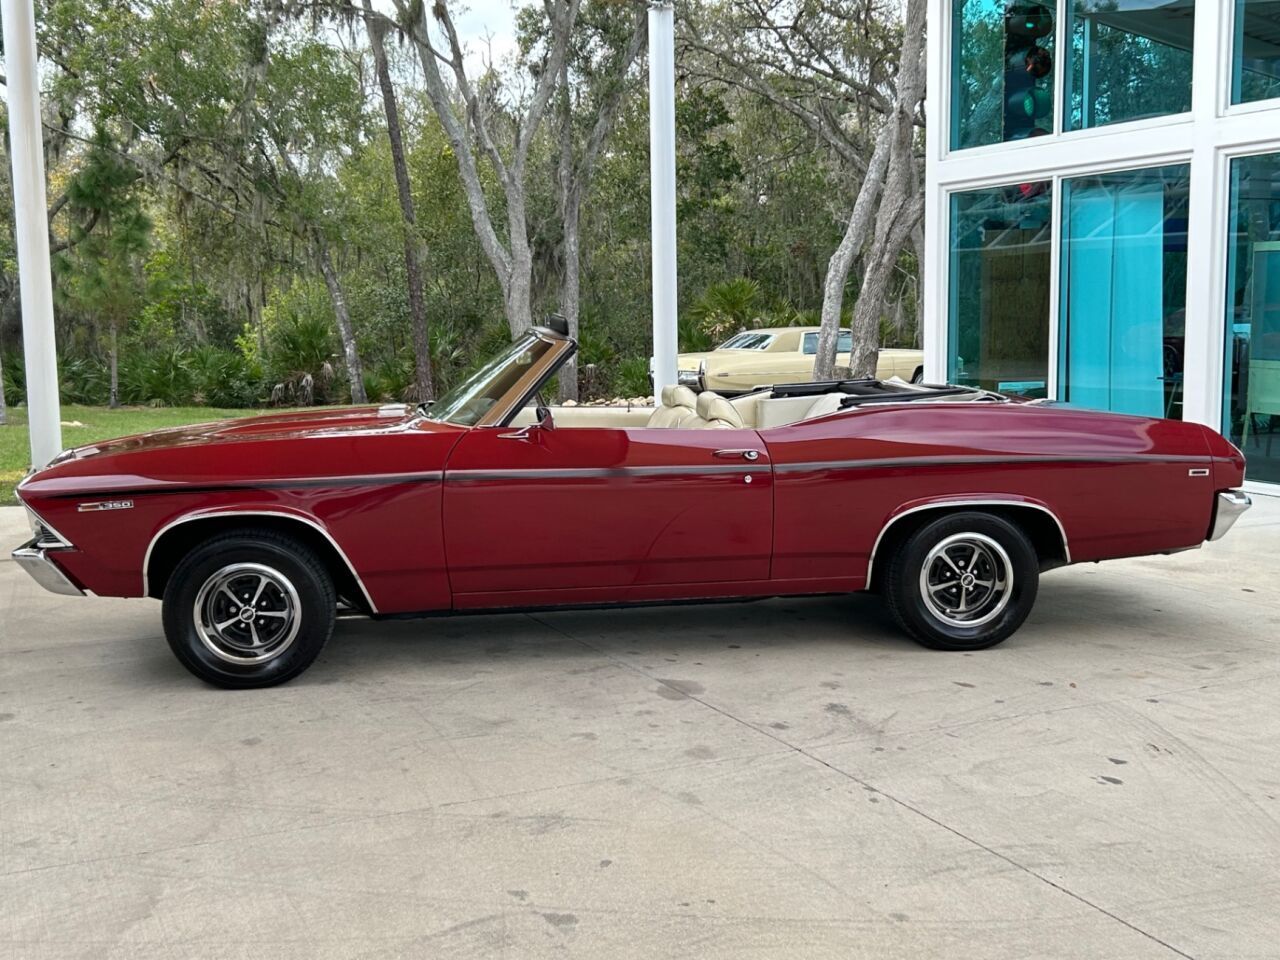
31,229
933,325
662,187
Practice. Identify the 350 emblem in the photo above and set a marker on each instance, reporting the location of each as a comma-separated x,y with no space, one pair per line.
106,505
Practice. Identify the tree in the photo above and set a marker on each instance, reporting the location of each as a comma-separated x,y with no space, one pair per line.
376,28
897,214
290,152
604,51
102,272
845,69
478,125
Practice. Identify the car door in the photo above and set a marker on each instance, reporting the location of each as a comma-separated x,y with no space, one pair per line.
549,515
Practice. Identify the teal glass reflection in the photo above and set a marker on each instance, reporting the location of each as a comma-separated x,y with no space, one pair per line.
998,313
1127,59
1255,51
1124,291
1251,356
1001,71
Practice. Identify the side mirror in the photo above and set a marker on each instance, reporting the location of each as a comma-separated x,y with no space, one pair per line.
544,418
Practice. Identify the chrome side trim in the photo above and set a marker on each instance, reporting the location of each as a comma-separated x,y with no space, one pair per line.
601,473
214,514
944,504
978,460
1228,506
32,558
273,483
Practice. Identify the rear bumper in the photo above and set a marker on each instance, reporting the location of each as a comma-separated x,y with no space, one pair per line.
1228,506
35,560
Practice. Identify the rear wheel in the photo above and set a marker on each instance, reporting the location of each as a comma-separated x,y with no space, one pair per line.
965,581
249,609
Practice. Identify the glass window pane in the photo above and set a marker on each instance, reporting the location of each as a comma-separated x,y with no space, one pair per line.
1001,71
1128,59
844,343
1255,52
998,316
1251,372
1124,291
810,346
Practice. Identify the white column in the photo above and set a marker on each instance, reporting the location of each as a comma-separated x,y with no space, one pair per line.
662,187
31,228
933,325
1204,335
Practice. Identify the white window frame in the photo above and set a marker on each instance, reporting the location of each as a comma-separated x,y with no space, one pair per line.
1207,138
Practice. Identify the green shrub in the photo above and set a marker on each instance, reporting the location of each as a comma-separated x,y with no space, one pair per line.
15,377
633,378
391,379
224,378
84,378
721,311
159,378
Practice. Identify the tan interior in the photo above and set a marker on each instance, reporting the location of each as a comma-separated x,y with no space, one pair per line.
618,418
681,408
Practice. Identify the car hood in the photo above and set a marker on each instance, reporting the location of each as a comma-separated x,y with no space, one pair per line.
322,421
322,442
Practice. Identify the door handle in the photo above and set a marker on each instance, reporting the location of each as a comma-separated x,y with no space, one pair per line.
737,454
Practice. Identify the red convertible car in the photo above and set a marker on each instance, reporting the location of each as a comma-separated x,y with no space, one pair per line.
949,501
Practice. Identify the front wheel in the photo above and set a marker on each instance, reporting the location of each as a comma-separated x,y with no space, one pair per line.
965,581
249,609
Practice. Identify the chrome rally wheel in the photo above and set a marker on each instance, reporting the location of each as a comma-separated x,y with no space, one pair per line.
247,613
249,608
966,580
963,581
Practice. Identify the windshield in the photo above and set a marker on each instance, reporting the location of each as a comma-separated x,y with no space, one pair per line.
470,400
747,341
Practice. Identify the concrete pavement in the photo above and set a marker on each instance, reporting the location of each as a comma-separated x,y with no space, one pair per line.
789,778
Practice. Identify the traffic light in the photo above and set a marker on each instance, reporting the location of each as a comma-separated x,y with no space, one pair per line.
1028,100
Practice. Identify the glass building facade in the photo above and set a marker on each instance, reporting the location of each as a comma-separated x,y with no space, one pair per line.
1103,213
1251,353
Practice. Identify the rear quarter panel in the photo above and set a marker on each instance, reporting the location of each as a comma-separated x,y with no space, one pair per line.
1119,485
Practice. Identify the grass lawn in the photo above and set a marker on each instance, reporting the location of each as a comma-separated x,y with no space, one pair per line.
81,425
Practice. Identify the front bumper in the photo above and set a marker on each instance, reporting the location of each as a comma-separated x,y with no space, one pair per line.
1228,506
35,560
694,379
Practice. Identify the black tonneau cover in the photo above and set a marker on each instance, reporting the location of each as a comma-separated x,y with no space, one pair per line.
874,391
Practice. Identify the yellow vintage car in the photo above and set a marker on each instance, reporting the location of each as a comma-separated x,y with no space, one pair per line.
780,355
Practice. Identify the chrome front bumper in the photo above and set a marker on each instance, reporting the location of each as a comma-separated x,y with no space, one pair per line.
1228,507
34,559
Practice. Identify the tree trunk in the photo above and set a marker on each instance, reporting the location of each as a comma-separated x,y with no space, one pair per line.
115,369
875,283
899,211
4,412
851,244
570,253
352,356
423,379
519,292
569,300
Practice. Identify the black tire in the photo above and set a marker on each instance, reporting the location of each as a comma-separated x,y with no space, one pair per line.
295,608
996,548
918,376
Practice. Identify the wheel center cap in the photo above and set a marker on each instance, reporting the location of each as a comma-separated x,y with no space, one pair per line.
967,580
246,614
